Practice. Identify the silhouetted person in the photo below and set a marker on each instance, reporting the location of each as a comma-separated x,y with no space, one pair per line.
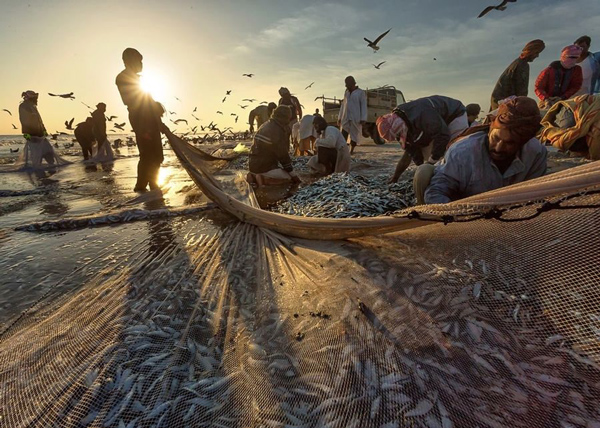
99,121
261,113
144,118
37,146
84,134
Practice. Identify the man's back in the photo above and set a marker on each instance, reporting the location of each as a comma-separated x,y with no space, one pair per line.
513,81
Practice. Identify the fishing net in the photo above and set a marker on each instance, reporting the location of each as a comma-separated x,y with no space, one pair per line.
37,154
482,313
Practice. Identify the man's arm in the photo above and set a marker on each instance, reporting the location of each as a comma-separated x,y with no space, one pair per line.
434,126
251,120
282,154
403,163
540,84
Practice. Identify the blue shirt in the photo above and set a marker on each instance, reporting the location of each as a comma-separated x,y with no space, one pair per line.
469,170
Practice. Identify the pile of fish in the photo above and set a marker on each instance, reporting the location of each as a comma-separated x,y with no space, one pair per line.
347,195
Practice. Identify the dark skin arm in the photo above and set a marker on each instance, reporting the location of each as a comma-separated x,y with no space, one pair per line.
403,163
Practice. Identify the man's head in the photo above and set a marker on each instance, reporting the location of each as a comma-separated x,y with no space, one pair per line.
517,122
569,56
532,50
584,42
31,96
391,127
282,114
320,124
473,111
133,60
284,92
101,107
271,107
350,83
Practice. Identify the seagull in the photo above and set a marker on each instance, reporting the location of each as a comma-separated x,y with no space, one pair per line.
236,119
179,121
224,98
219,112
309,86
110,118
242,107
228,92
8,111
119,126
196,118
177,99
501,7
250,100
264,102
69,124
15,150
379,65
373,45
13,125
172,112
85,104
248,75
195,108
69,95
435,59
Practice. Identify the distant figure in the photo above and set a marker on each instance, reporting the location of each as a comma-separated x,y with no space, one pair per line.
473,111
507,154
561,79
261,113
269,159
590,67
144,118
287,99
353,112
333,154
424,127
84,133
99,121
317,112
37,146
515,79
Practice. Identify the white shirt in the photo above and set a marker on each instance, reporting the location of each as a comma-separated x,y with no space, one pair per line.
586,70
354,106
332,138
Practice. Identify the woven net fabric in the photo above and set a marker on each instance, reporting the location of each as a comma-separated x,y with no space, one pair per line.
484,323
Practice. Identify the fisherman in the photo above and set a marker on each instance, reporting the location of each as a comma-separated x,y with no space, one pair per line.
287,99
261,113
306,135
507,153
424,127
99,121
269,159
84,133
37,145
590,67
515,79
144,117
561,79
353,112
473,111
333,154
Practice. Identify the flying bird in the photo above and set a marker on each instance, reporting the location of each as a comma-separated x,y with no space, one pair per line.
373,44
8,111
224,98
379,65
264,102
219,112
435,59
194,129
309,86
196,118
177,99
502,6
248,75
228,92
179,121
69,95
85,104
172,112
119,125
69,124
195,108
15,150
13,125
110,118
250,100
236,119
242,107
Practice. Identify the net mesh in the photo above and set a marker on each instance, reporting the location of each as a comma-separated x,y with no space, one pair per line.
472,324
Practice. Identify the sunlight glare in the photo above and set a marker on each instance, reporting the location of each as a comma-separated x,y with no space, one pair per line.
153,83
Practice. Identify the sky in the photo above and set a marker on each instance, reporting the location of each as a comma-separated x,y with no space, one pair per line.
196,50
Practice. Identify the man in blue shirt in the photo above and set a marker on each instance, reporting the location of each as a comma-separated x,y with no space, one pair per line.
508,154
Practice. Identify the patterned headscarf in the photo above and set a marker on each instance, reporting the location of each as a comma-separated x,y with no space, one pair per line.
391,127
521,116
532,48
569,55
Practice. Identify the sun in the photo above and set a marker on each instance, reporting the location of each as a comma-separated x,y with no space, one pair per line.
152,82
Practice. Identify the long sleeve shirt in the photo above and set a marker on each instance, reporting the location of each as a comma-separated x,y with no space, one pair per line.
270,148
31,121
557,81
513,81
469,170
354,107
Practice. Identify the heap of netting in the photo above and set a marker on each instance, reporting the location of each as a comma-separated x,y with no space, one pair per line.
483,323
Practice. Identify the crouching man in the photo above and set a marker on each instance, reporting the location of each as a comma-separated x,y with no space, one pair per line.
269,159
507,154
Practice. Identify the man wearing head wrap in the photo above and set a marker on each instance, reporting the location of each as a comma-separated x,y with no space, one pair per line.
515,79
508,153
353,112
424,127
145,119
590,67
287,99
261,114
561,79
269,159
37,146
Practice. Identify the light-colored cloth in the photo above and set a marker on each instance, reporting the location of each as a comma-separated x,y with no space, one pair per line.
391,127
306,127
586,71
37,149
586,112
104,153
569,55
421,181
332,138
468,169
354,129
295,131
278,174
458,125
354,107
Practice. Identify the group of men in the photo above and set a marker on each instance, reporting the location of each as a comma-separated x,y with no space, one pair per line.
93,129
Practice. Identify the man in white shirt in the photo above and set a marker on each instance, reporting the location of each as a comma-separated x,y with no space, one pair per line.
353,112
590,66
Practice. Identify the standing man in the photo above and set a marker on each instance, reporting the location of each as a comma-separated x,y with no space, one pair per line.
353,112
590,67
515,79
37,146
261,114
85,137
99,121
144,117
